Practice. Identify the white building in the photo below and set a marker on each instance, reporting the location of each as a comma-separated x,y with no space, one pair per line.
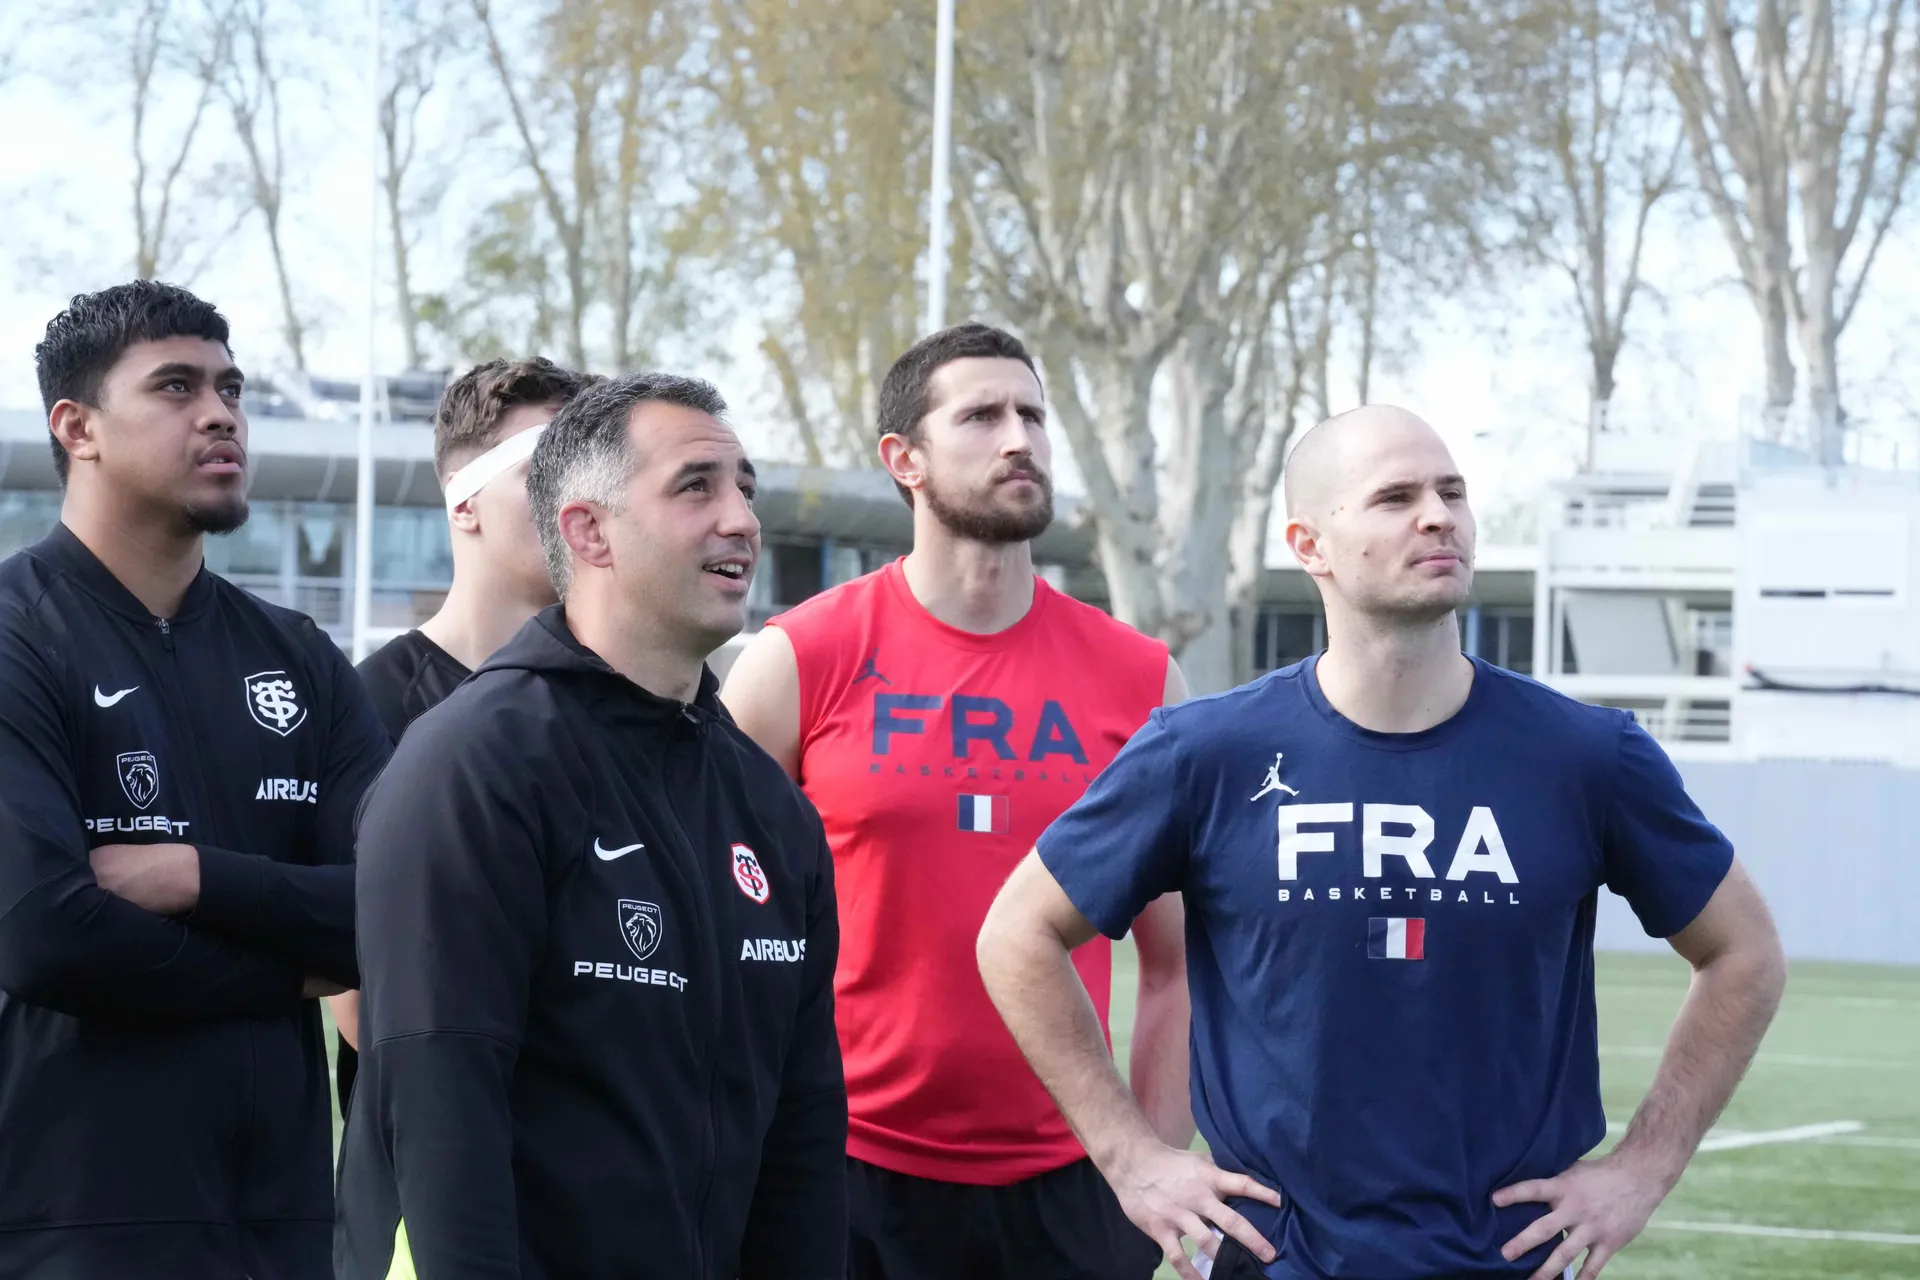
1743,602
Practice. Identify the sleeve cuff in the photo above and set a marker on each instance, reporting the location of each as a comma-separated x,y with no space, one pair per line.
230,884
1111,923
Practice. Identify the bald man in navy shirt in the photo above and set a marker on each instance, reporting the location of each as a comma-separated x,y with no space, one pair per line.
1390,857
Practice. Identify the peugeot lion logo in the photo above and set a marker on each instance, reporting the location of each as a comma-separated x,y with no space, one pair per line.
139,776
640,927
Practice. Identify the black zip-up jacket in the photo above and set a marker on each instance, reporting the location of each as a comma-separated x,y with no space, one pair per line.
164,1109
597,940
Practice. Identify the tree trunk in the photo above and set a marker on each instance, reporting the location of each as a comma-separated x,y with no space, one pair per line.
1249,554
294,330
1600,389
402,272
1819,346
1200,502
1779,357
1121,516
795,395
627,183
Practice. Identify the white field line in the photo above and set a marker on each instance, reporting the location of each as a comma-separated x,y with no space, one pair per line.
1785,1233
1774,1059
1833,1132
1799,1133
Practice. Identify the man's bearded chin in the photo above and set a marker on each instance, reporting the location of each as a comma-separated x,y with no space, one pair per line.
984,520
218,517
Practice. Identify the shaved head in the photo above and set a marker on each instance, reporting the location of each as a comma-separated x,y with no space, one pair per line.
1377,513
1325,457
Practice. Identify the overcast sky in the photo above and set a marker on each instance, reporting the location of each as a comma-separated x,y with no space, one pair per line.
1501,375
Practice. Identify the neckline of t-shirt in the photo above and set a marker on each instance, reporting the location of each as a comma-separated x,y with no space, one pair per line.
894,576
435,653
1418,741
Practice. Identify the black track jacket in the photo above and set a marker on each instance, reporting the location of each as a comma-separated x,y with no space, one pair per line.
597,941
164,1109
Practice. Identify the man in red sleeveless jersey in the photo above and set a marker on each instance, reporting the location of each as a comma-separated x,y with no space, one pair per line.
940,713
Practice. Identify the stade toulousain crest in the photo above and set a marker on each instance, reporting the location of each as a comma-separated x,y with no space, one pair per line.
273,702
640,927
749,875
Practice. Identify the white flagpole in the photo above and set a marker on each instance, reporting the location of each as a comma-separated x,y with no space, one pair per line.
942,195
363,466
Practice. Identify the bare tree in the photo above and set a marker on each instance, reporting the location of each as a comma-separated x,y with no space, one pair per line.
173,61
425,38
1614,152
156,179
827,104
508,299
250,79
1179,200
577,74
642,246
1800,118
585,244
1108,211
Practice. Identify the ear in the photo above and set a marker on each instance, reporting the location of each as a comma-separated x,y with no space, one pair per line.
464,518
71,423
1306,543
901,457
585,534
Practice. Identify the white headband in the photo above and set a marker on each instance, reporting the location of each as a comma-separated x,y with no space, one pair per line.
483,470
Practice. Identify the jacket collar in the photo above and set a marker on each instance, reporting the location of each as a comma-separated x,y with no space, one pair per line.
63,550
546,644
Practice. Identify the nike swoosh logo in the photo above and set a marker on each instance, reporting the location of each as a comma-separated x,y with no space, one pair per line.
106,700
608,855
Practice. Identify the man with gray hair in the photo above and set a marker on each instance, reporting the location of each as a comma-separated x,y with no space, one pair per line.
598,924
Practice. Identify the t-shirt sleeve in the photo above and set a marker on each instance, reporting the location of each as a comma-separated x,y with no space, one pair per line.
1662,855
1128,839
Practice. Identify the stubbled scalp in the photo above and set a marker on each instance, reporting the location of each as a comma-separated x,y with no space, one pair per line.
1320,460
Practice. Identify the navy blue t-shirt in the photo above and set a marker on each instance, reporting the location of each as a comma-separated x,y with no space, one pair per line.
1390,946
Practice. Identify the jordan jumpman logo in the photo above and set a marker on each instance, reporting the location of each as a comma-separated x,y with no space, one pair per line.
872,672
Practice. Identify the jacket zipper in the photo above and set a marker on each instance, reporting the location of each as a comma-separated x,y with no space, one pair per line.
704,883
201,803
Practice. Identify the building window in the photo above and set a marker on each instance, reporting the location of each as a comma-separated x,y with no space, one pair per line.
254,548
844,564
1283,637
1506,639
411,545
321,532
797,572
1710,634
26,516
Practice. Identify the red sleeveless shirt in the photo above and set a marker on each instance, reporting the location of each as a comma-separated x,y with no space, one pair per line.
936,757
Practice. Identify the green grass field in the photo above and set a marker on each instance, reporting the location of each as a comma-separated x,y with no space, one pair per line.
1837,1200
1816,1171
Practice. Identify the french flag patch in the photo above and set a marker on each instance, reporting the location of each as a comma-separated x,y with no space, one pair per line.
1396,938
985,814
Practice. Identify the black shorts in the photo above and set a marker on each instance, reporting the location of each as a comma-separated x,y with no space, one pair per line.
1232,1262
1063,1225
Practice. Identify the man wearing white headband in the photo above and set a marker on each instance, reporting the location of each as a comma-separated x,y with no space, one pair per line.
483,436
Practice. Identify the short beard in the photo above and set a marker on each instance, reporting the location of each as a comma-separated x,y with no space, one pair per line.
1416,613
989,523
218,518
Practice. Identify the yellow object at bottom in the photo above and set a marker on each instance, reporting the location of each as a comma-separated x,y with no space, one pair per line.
402,1268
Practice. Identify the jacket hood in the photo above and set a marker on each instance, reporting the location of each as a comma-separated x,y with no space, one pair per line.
546,645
